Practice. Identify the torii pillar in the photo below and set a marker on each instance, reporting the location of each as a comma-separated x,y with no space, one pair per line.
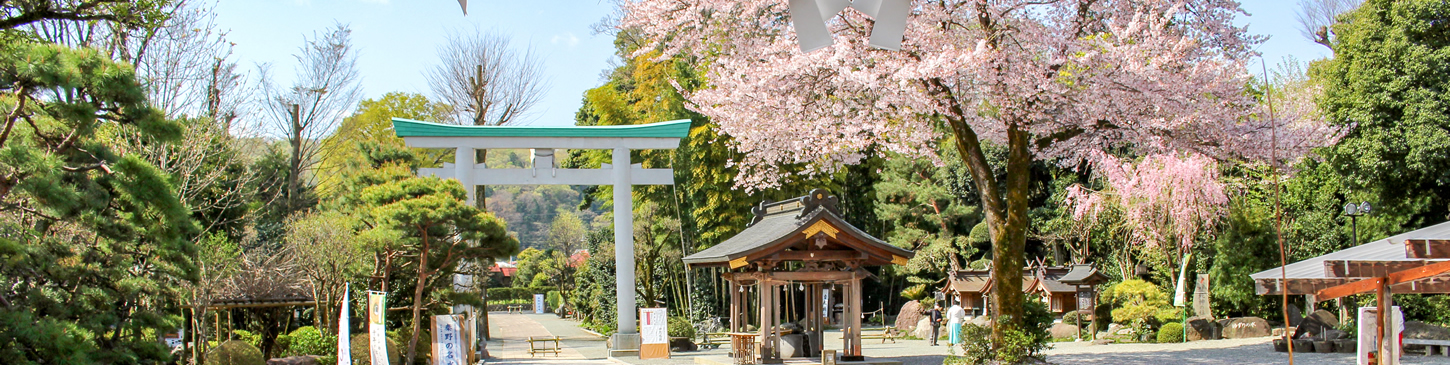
544,140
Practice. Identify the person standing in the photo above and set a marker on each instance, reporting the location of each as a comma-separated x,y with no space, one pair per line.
955,316
935,322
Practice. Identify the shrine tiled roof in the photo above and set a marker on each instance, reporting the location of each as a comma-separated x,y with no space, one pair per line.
783,221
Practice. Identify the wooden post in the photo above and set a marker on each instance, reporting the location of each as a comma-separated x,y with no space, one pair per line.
769,354
856,300
1382,293
734,309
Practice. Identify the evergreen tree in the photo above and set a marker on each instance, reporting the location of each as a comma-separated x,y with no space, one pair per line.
94,244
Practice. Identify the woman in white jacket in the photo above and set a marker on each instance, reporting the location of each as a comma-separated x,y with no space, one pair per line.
955,317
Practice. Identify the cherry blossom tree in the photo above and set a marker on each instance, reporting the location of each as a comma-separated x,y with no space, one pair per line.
1168,201
1053,80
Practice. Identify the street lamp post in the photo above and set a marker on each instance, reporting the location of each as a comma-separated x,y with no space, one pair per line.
1354,211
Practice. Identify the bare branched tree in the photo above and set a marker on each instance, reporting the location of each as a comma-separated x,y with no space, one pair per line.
486,80
324,91
328,253
182,57
1316,18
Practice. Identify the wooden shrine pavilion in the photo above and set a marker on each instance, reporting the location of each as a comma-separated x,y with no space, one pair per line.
1415,262
793,245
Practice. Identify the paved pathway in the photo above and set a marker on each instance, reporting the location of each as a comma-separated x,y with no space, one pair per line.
511,332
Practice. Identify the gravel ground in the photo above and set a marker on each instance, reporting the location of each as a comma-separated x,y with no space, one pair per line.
1253,351
1238,351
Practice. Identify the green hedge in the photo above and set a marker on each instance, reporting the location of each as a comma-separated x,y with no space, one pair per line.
516,293
1171,332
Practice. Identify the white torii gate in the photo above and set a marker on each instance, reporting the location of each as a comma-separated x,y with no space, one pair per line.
544,140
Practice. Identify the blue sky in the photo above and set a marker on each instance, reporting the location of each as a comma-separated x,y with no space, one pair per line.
397,39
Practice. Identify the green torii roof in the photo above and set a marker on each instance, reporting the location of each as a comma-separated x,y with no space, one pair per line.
670,129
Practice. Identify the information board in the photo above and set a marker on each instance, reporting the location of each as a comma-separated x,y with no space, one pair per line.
539,304
448,340
654,333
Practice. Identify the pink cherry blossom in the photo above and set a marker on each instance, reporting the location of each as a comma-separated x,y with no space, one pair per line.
1079,76
1166,199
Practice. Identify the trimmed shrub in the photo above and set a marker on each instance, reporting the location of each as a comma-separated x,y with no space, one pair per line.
307,340
554,299
1074,318
517,293
1171,332
361,350
681,327
235,352
247,336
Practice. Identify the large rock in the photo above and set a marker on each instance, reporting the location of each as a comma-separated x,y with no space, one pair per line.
1325,317
922,329
1063,331
1316,324
1204,328
1424,331
910,315
1246,327
1295,315
792,346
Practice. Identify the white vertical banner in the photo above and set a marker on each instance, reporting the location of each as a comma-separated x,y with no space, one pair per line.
539,304
344,346
377,330
448,341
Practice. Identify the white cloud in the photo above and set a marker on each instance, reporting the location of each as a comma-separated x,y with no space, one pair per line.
566,38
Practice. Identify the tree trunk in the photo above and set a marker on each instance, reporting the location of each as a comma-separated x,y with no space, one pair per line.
294,173
418,299
1005,208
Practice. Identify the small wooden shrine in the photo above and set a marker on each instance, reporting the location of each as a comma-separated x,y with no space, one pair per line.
801,244
971,288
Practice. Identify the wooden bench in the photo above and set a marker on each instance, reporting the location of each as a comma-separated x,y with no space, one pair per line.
885,333
1430,345
544,345
516,308
714,339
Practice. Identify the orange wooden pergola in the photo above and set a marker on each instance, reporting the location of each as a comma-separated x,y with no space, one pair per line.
1381,287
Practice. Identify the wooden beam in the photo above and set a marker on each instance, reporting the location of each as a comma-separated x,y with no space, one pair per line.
1370,269
817,255
1418,273
262,305
1351,288
1398,277
1427,249
1434,285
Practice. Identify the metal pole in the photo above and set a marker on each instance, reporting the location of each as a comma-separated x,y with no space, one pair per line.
1354,228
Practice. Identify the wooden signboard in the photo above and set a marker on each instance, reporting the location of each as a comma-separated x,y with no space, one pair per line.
654,335
1085,297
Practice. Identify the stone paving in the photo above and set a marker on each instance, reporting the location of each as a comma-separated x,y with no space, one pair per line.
511,331
581,347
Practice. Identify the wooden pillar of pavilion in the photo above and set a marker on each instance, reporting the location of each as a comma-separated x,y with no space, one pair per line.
826,250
